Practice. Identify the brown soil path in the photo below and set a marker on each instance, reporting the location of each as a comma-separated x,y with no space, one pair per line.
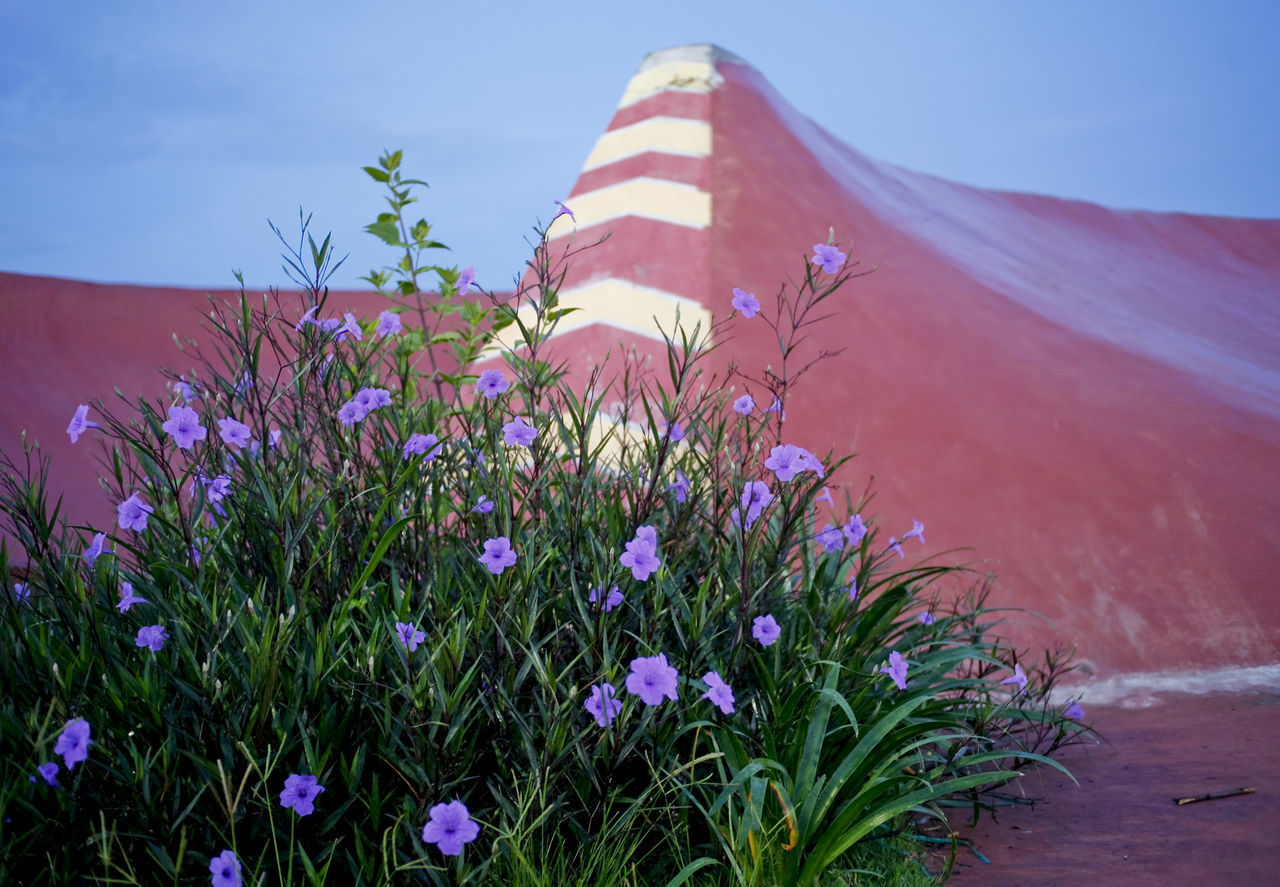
1121,826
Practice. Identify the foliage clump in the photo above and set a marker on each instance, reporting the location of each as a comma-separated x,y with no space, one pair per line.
388,604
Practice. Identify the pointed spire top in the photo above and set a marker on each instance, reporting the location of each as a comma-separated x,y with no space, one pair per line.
704,53
688,68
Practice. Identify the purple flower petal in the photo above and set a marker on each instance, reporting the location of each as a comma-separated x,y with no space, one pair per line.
449,827
300,793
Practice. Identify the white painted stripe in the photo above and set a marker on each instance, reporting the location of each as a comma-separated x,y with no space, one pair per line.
648,198
620,304
684,74
667,135
1143,689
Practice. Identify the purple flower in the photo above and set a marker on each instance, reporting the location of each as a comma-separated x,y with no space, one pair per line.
410,636
812,462
611,600
152,637
132,514
371,398
824,496
492,383
1018,677
308,317
1074,710
417,444
563,211
896,669
273,439
518,432
755,498
184,425
219,488
744,405
233,433
214,490
73,743
745,302
80,422
350,325
225,869
21,592
300,793
95,548
603,705
498,554
894,546
48,771
853,588
651,679
765,629
789,460
917,530
783,461
388,324
641,555
350,413
449,827
926,618
483,506
465,280
776,407
854,530
681,486
128,598
831,539
675,431
185,390
827,257
718,692
362,403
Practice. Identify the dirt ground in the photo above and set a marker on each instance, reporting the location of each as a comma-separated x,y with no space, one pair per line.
1120,826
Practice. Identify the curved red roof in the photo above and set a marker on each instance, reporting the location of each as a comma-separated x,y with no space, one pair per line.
1087,398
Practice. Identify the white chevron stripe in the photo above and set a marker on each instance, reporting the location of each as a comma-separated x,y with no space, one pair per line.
658,73
668,135
648,198
620,304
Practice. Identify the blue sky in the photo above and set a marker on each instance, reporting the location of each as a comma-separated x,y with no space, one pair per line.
149,142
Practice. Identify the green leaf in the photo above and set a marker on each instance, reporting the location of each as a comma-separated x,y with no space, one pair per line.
376,558
386,232
376,174
692,868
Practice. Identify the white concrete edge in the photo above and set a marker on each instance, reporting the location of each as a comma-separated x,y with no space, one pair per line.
1144,689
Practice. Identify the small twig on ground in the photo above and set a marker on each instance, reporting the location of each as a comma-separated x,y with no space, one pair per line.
1212,795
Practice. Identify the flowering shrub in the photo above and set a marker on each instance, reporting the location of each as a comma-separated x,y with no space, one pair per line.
385,576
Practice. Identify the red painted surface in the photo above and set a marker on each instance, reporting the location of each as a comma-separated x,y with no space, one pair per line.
82,341
695,171
1086,399
1131,500
669,103
646,252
